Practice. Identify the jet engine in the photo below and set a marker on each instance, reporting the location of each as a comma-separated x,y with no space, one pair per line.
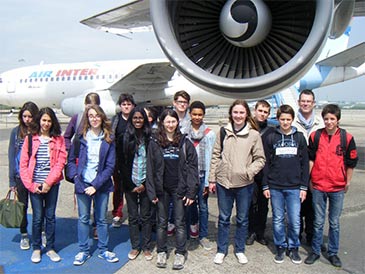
256,47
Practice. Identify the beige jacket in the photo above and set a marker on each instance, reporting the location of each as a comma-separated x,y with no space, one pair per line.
317,124
242,158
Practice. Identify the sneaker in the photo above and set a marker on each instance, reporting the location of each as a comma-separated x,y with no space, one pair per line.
194,231
205,243
148,255
219,258
335,260
36,256
170,229
294,256
81,258
178,262
108,256
161,260
250,240
279,257
53,256
241,257
311,258
95,233
44,239
24,242
117,222
133,254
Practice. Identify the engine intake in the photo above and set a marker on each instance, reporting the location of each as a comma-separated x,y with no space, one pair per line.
256,47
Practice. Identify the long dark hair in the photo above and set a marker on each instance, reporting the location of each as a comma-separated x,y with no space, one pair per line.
55,129
161,133
106,125
33,109
249,117
131,131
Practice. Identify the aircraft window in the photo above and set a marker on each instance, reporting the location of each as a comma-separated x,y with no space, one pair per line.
46,79
63,78
30,80
36,80
41,79
103,76
21,80
110,76
116,76
1,80
85,77
80,77
26,80
97,77
74,78
57,78
51,79
91,77
68,78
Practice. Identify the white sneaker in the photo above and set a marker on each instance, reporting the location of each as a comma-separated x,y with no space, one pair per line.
117,222
241,257
205,243
24,242
53,256
219,258
36,256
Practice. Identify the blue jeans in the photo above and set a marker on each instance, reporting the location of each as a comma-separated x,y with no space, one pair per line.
44,207
139,211
198,211
226,197
101,200
286,200
335,206
162,216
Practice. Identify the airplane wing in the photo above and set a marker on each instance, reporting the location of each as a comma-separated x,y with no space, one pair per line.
149,77
352,57
131,17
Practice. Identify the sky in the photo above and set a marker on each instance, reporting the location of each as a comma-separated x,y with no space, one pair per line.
49,31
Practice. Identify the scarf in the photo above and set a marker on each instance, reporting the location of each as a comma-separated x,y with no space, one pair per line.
197,138
307,124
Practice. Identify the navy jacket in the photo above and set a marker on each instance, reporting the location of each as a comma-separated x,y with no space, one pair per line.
102,181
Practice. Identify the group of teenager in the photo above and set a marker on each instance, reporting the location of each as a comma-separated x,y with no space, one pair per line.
167,167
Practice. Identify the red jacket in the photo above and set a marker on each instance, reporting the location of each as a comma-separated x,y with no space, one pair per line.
58,157
329,171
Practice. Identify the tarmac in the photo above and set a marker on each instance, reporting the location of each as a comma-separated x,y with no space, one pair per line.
260,258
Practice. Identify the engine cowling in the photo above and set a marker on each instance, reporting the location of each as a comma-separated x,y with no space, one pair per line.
255,47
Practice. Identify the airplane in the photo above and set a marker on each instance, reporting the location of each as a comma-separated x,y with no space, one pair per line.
272,63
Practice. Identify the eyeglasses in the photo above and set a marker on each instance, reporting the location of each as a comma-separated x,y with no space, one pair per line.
97,117
182,102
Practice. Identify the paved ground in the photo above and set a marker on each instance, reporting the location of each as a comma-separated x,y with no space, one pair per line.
352,246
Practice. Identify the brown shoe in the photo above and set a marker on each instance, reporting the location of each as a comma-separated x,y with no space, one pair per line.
148,255
133,254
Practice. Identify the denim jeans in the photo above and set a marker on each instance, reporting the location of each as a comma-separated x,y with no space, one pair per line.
335,205
286,200
101,200
139,211
162,216
198,211
44,207
226,197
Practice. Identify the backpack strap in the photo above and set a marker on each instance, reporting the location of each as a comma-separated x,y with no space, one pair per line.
343,138
317,136
78,122
223,134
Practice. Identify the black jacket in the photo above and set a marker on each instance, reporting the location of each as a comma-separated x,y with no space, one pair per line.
126,149
187,170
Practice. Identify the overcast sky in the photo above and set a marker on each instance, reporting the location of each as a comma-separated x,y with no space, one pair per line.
33,31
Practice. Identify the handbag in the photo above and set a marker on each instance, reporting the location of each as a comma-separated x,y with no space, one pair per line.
11,211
